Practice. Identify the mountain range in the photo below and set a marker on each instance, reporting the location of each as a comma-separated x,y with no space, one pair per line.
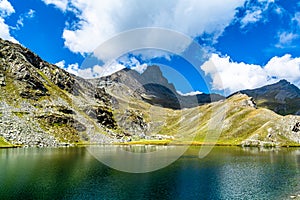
43,105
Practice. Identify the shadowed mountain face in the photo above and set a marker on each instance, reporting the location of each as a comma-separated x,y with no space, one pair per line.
282,97
155,89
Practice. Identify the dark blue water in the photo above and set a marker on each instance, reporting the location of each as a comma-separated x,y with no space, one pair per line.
226,173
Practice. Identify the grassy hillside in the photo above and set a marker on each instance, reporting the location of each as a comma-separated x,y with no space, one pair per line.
234,121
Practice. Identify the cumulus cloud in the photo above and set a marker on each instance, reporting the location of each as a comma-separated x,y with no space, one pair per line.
100,20
133,63
6,9
232,76
61,64
97,71
284,67
140,68
92,72
193,93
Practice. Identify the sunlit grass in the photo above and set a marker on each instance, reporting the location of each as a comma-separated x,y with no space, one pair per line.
4,143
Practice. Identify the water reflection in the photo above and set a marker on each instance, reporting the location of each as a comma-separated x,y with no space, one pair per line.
142,148
226,173
137,159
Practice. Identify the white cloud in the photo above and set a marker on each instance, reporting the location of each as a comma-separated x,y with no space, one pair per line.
73,69
284,67
100,20
255,11
296,18
97,71
4,32
91,72
60,4
101,71
6,9
285,39
193,93
140,68
232,76
251,17
60,64
133,63
288,38
29,15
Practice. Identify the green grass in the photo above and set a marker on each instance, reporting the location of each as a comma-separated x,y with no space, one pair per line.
20,114
4,143
147,142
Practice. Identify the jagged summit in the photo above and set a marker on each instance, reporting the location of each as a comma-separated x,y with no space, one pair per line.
154,88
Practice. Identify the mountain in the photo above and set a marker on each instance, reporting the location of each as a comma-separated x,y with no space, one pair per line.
43,105
281,97
154,88
243,123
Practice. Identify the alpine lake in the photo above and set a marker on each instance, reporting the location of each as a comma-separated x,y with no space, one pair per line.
225,173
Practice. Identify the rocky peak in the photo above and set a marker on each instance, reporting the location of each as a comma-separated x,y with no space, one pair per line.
283,81
281,97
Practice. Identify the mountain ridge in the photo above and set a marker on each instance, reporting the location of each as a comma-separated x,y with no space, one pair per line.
281,97
154,88
43,105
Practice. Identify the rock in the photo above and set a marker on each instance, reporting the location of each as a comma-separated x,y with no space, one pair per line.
133,122
46,101
296,128
2,80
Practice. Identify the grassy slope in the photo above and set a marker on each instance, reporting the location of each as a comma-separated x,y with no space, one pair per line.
207,125
4,144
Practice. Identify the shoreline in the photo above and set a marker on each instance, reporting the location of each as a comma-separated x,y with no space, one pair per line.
159,143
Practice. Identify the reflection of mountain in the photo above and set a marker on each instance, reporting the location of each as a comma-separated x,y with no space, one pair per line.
43,105
282,97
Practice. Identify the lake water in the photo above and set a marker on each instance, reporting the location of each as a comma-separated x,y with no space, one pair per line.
226,173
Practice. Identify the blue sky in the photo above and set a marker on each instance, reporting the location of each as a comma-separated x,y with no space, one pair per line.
245,43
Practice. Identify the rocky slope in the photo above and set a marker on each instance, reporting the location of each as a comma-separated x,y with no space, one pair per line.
43,105
282,97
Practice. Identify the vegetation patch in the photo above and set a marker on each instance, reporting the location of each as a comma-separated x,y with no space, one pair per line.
4,143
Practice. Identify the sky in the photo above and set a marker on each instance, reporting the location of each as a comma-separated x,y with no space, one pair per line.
218,46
